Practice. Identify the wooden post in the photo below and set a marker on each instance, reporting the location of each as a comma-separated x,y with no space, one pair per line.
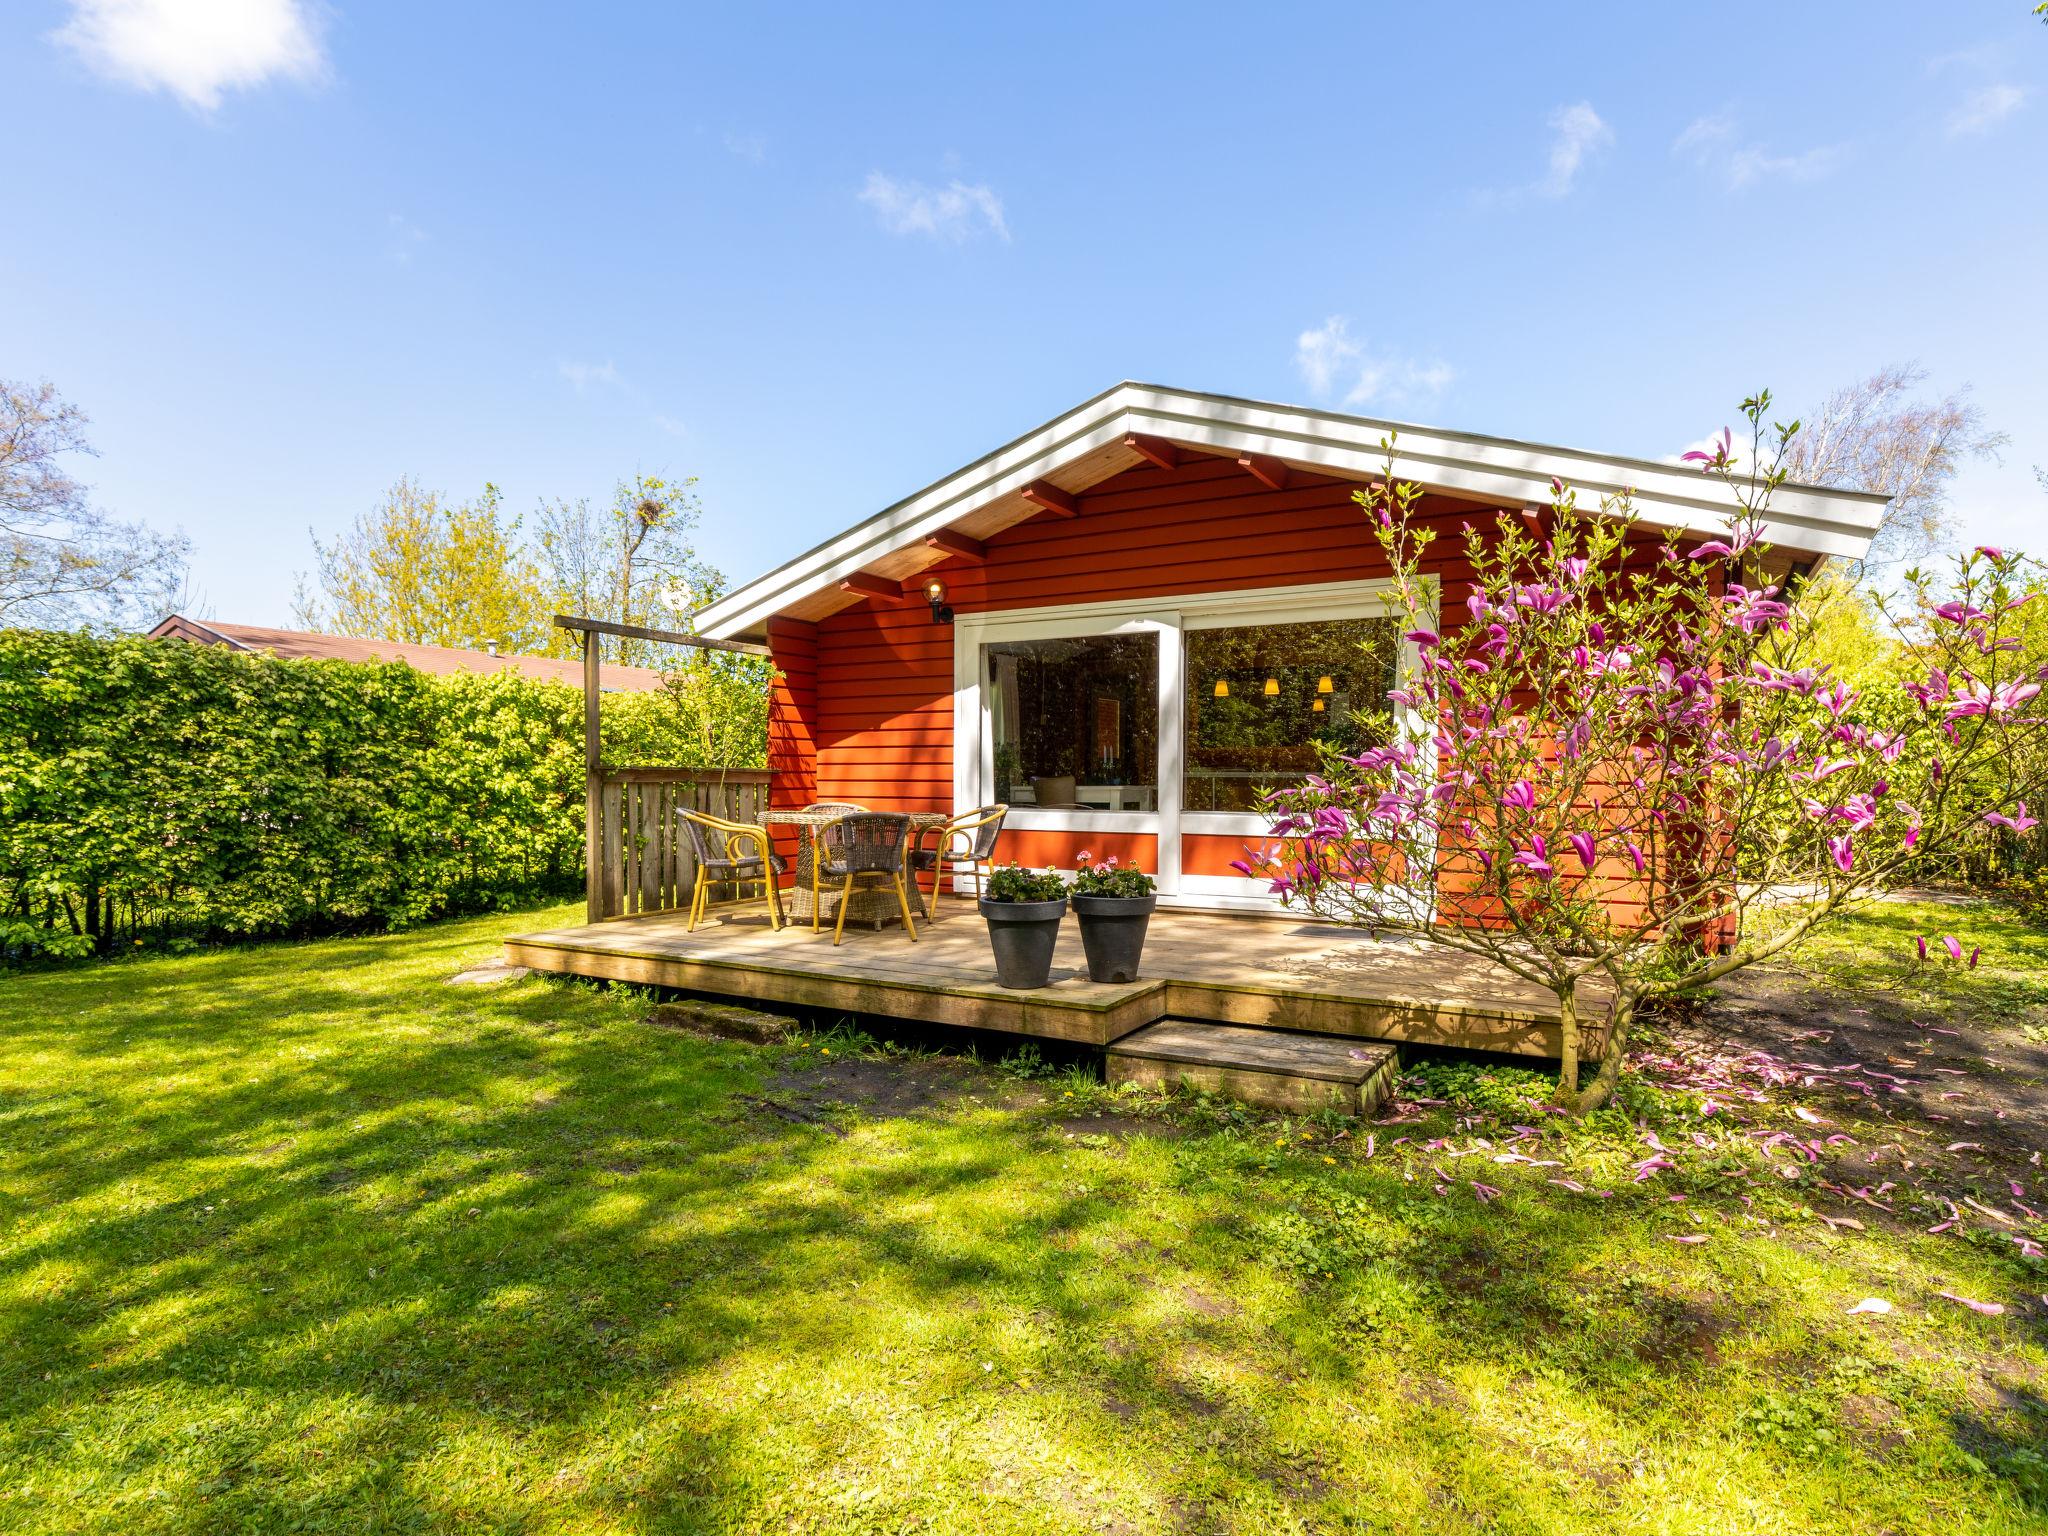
593,787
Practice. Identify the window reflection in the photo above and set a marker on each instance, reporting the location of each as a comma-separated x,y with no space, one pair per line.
1076,721
1260,699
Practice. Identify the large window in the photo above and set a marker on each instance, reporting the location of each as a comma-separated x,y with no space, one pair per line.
1261,697
1076,722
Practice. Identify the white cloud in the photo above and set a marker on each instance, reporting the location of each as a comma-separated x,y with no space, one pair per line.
1705,136
405,236
585,377
1754,163
196,49
750,147
953,212
1985,108
1577,133
1335,364
1714,143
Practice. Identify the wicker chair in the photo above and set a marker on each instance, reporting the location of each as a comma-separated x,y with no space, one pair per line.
866,848
722,857
968,839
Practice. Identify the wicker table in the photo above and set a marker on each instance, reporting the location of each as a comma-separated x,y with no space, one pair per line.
874,905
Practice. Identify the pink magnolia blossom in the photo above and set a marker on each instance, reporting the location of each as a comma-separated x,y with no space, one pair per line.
1519,796
1583,845
1988,1308
1960,613
1719,455
2000,700
2020,823
1843,852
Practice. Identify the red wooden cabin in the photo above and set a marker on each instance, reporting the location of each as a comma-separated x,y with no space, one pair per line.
1150,606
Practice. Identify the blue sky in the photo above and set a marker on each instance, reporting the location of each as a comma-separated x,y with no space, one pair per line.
820,256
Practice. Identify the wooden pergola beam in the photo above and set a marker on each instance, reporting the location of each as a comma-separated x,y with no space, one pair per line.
593,756
1153,450
1048,497
958,545
1269,472
861,584
589,627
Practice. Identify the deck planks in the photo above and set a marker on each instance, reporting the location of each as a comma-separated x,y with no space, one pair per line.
1259,972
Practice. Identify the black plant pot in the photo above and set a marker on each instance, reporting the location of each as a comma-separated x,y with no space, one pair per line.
1113,933
1023,934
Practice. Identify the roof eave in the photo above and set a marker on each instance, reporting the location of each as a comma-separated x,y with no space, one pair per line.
1825,522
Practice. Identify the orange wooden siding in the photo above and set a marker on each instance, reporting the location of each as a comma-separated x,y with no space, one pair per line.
876,724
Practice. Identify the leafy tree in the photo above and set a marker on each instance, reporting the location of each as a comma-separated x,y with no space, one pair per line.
1877,436
64,562
1616,766
424,571
631,562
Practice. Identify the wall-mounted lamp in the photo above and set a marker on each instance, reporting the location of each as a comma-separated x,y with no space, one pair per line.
935,594
1272,687
1222,688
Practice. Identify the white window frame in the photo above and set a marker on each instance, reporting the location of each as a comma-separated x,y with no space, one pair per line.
1169,618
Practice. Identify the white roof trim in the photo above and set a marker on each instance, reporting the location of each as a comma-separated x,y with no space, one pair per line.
1806,518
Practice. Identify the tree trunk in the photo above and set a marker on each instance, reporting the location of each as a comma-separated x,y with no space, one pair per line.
1568,1047
1601,1089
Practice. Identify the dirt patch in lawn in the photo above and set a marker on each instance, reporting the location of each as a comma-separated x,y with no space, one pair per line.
896,1087
1949,1077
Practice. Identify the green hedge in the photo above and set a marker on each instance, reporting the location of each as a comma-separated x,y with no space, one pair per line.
154,791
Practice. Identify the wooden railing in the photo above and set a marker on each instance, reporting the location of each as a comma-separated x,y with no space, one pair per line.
639,854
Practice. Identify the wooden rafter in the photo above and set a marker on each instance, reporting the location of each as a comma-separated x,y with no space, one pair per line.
1047,497
1153,450
1269,472
861,584
958,545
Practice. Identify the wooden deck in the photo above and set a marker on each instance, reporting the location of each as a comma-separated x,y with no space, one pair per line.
1271,973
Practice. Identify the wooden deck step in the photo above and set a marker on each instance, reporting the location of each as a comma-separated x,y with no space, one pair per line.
1269,1068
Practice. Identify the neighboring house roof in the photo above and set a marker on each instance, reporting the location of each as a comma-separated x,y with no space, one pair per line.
1093,441
440,660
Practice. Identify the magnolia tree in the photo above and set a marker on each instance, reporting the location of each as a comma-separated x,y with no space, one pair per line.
1615,752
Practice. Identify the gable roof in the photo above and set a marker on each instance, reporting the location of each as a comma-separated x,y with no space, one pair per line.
1086,446
439,660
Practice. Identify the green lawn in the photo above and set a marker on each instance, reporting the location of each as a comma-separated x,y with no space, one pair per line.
300,1238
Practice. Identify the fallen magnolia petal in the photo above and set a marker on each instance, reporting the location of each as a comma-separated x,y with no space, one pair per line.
1843,1221
1988,1308
1690,1237
1875,1305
